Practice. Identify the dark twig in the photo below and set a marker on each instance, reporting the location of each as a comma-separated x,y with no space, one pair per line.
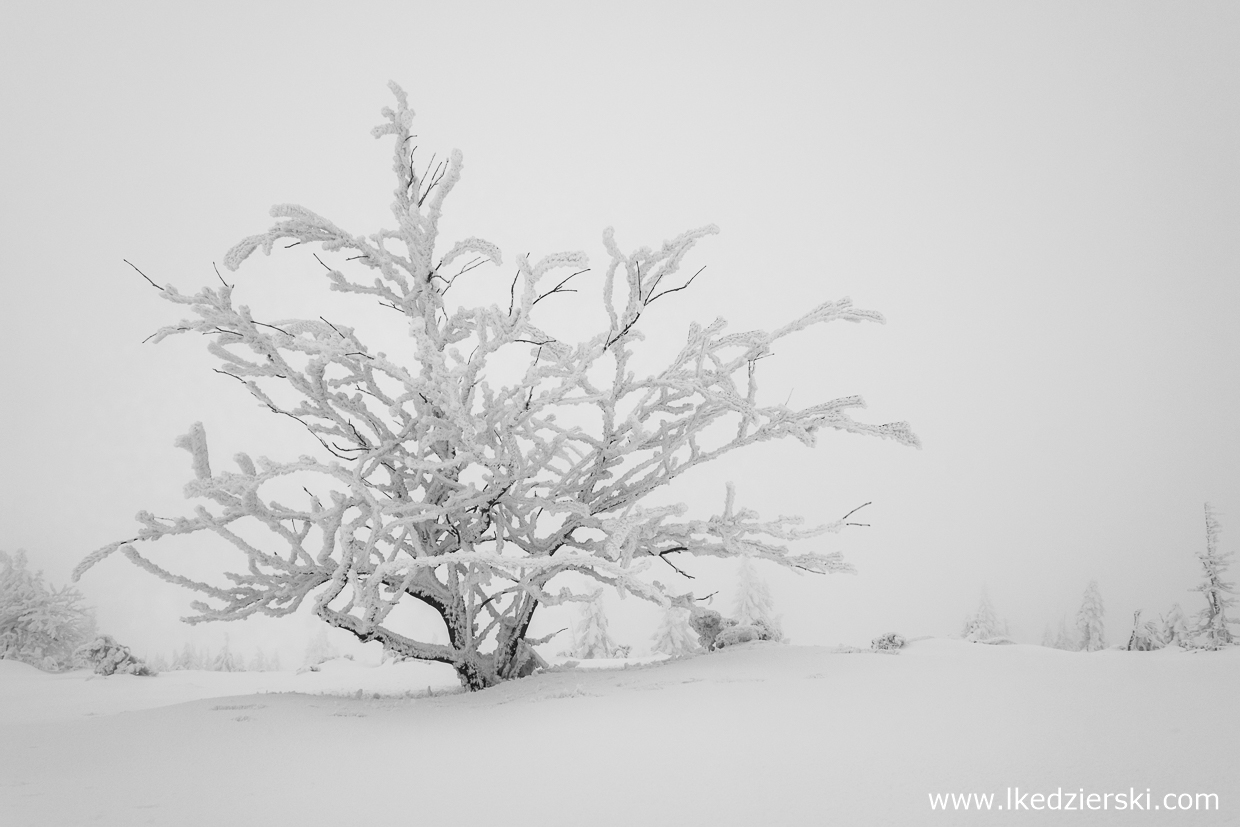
559,287
512,291
652,299
221,278
273,327
679,570
333,327
854,511
477,262
620,335
140,273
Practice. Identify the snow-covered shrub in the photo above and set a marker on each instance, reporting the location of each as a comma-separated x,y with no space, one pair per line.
716,631
111,658
744,633
1146,636
1089,620
1174,628
495,456
708,623
40,625
1213,624
888,641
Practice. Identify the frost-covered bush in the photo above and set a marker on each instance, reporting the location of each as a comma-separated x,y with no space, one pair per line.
111,658
888,641
716,631
1173,628
489,456
40,625
1146,636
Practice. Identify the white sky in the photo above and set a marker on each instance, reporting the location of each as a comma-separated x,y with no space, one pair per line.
1042,198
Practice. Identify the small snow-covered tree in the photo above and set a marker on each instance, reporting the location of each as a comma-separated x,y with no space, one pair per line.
753,603
450,479
674,636
1213,624
591,638
1063,638
319,649
189,657
1089,620
39,624
984,624
226,660
1174,630
259,662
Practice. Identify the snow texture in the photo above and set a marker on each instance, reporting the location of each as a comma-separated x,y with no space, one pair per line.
808,737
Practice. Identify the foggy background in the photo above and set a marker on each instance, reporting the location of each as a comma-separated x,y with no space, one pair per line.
1041,198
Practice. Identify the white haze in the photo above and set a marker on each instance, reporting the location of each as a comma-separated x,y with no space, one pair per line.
1040,197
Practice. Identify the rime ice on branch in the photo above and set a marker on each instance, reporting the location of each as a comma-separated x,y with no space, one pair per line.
467,497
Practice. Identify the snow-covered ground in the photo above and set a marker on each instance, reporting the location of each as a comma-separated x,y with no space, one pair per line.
762,734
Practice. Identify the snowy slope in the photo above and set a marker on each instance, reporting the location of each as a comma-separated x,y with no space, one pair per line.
763,734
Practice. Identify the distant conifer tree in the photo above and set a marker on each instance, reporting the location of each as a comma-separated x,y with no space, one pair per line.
591,639
1213,624
674,636
753,603
1089,620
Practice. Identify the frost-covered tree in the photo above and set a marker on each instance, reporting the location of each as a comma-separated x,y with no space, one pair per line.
1089,623
984,624
39,624
591,638
1213,624
259,662
189,657
226,660
1063,638
318,650
674,636
444,476
753,603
